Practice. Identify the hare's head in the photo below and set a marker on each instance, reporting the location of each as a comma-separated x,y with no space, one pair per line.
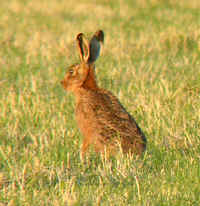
82,74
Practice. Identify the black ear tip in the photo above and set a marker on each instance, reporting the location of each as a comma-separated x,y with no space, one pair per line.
100,35
79,36
101,32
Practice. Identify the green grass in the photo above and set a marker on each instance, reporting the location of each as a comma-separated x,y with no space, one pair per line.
150,61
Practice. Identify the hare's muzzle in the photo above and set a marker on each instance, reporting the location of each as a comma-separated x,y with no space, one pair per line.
64,85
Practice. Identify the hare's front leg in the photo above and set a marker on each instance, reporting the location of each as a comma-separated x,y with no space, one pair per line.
84,147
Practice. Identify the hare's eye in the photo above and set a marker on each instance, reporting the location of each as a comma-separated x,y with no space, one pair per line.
71,71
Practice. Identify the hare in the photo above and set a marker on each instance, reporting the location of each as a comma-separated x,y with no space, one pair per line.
103,121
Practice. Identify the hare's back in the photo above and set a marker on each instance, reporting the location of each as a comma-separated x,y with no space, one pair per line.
101,115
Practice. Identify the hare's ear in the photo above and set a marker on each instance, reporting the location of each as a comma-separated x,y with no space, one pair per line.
94,46
83,47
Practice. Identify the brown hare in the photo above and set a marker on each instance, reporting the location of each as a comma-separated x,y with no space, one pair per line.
103,121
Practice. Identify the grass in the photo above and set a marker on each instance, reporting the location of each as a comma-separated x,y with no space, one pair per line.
150,61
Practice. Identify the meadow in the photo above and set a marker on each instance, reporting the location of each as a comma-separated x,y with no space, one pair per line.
150,60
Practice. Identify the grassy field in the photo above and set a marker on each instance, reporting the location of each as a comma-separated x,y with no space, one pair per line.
150,61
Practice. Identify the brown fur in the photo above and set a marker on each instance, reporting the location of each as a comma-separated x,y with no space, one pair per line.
102,119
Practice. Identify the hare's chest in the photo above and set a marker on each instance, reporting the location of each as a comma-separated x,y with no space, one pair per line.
87,117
